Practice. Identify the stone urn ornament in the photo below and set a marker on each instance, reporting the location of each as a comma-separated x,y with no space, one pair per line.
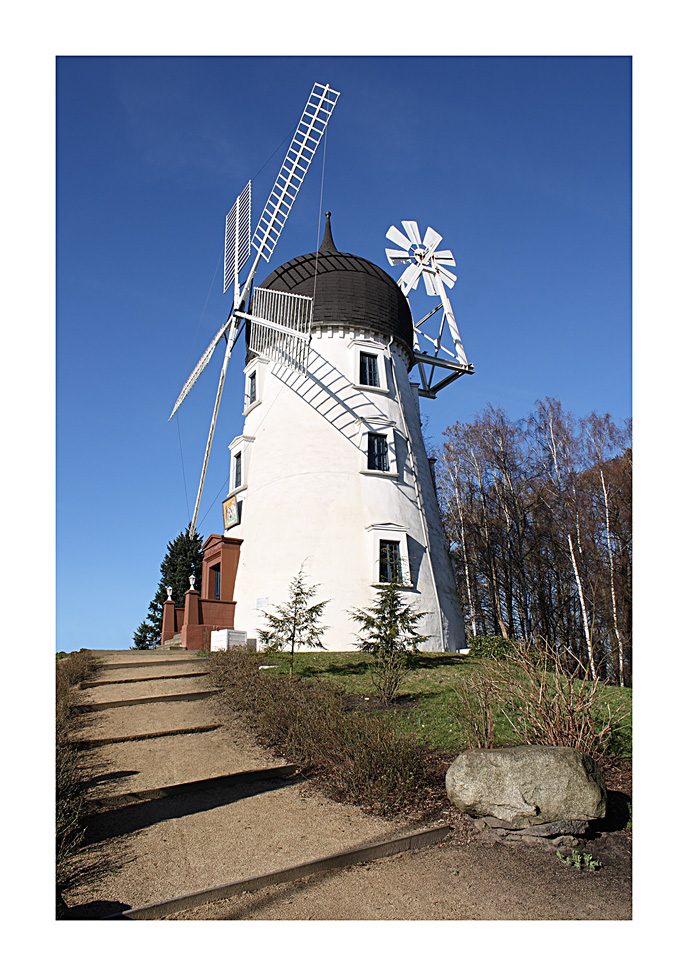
169,592
192,581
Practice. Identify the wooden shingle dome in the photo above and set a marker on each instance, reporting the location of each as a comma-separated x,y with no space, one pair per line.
346,289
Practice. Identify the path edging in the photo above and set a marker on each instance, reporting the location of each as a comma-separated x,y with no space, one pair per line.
356,855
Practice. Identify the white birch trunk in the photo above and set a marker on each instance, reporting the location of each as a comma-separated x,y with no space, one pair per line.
467,574
581,598
619,641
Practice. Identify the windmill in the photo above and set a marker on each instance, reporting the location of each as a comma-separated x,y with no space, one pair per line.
426,262
280,322
329,470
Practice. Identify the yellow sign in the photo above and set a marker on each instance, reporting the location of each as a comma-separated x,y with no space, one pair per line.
230,512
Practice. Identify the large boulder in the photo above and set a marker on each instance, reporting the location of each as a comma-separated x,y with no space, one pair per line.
527,785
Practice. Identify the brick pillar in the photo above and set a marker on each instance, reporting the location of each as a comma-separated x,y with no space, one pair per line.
167,621
192,631
191,611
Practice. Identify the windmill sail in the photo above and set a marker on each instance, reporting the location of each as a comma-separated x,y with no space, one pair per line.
281,327
198,369
237,238
303,147
281,332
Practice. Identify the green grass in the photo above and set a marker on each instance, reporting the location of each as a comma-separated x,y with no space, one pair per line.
430,686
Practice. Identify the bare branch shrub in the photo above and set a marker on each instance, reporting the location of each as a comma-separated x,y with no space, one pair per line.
361,758
540,701
474,709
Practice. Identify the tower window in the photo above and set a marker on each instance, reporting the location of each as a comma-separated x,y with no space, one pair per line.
252,388
378,453
237,469
369,373
390,561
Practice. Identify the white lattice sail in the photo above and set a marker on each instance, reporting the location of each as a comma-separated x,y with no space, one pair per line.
281,327
237,237
306,139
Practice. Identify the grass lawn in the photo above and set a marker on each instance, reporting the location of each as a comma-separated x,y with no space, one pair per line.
429,688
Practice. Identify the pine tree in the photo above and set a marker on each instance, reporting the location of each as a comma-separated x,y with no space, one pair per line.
145,636
389,634
294,624
184,558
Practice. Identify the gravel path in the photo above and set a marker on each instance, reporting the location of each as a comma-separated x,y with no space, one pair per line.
161,848
157,849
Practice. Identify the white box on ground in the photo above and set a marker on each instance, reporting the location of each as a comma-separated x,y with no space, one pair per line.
220,640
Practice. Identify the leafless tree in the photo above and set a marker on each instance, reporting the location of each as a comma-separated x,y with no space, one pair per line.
538,519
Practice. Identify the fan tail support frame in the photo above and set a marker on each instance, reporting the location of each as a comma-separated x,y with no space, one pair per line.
425,260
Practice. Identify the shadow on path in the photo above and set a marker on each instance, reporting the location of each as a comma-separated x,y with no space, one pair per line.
107,777
138,816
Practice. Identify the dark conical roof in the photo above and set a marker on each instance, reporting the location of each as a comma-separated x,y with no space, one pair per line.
347,289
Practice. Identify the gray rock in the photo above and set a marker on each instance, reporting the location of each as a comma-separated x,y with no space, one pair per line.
527,785
565,841
495,822
576,828
554,829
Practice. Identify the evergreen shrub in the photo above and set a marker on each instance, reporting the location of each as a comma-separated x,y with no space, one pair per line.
490,645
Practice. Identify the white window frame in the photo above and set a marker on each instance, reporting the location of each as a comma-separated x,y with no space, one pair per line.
387,429
376,349
256,366
240,445
389,532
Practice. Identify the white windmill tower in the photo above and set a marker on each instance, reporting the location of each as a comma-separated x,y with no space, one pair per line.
330,470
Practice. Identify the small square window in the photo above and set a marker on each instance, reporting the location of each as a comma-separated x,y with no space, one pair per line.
369,373
378,452
390,561
237,469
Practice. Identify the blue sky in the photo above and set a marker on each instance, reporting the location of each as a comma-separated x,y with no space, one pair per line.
523,164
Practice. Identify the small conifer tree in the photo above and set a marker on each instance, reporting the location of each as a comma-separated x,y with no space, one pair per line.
389,635
145,636
294,624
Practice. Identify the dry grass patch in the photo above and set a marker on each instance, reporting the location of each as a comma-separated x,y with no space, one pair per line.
69,764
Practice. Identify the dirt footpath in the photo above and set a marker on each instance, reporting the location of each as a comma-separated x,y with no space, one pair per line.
478,882
148,850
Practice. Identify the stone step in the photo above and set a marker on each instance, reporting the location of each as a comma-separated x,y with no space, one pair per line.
126,665
145,719
131,681
186,696
157,654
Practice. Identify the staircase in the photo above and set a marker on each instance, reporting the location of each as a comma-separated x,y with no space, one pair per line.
175,641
